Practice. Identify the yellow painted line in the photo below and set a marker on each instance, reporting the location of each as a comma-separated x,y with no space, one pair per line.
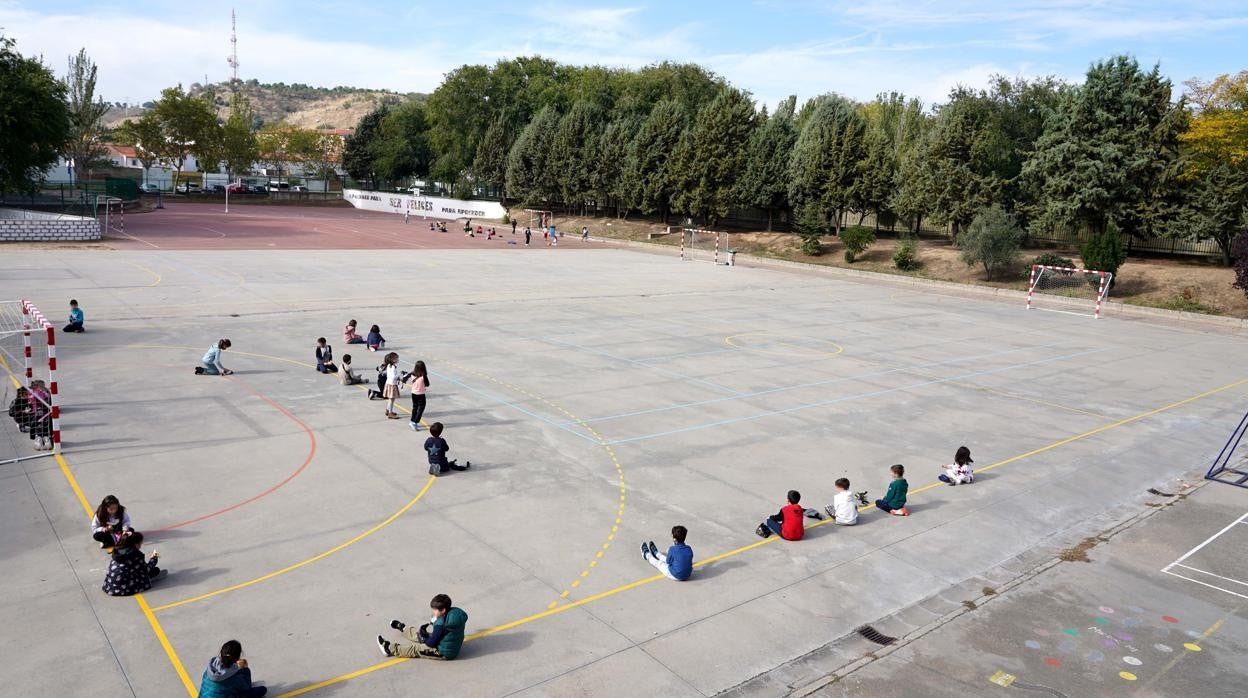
813,353
303,563
73,484
555,609
619,469
1182,655
164,642
159,278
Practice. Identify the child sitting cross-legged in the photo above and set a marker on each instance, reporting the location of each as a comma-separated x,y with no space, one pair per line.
437,447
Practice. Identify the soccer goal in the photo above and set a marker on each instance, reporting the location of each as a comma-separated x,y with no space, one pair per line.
540,220
1231,465
1067,290
31,392
110,211
701,245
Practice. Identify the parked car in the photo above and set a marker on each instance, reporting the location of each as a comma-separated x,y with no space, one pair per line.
237,188
149,188
259,189
216,189
188,188
299,187
279,186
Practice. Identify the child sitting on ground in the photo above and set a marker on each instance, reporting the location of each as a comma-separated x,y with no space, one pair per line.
346,376
110,522
375,341
677,563
19,409
349,336
843,503
75,318
130,571
959,471
437,448
228,675
39,416
788,522
440,638
325,357
894,501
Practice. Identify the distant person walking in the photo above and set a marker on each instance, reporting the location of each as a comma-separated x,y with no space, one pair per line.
584,233
528,234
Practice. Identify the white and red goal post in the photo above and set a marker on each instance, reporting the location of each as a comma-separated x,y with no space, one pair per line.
1077,291
700,245
36,359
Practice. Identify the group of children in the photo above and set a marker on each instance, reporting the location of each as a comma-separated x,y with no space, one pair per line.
31,411
789,523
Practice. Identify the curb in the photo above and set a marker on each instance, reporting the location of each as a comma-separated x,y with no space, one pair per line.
1112,308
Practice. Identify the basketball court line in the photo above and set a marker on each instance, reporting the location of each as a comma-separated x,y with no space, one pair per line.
1169,569
757,544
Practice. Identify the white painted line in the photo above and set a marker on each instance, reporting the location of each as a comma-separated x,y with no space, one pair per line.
1229,579
1208,540
1211,586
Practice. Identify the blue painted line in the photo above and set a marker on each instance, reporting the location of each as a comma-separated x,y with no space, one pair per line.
846,398
814,384
682,356
636,362
507,403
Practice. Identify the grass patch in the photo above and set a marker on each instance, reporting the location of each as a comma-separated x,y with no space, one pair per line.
1079,553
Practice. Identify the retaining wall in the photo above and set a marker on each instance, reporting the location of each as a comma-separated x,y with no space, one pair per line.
19,225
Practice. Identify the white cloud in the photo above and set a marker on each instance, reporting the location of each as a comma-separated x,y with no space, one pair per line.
138,56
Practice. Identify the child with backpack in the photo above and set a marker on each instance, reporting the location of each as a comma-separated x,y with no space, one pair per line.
787,523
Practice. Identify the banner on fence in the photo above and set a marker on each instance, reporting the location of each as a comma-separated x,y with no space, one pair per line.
429,206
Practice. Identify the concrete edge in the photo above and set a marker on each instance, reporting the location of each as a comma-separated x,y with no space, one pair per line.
1111,308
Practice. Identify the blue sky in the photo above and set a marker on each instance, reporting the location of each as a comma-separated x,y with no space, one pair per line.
770,47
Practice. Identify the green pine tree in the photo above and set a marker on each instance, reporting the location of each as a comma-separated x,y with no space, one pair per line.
712,156
765,181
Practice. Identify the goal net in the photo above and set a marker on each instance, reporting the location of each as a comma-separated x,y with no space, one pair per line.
1068,290
700,245
32,423
110,211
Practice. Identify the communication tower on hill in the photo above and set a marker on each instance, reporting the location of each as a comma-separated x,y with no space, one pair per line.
233,59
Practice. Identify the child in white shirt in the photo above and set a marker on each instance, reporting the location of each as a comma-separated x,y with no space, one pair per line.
844,509
959,471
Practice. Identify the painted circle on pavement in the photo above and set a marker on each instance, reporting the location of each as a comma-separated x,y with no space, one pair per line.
1170,619
1192,646
1053,661
1127,675
1163,648
1130,622
1032,645
1066,646
1132,661
1094,656
1071,631
1100,621
1106,610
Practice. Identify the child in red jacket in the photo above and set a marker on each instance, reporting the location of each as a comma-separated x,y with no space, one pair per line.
788,522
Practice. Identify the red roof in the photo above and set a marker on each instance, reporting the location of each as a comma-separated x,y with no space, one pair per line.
123,150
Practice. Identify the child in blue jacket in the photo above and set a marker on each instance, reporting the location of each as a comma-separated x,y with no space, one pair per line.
228,675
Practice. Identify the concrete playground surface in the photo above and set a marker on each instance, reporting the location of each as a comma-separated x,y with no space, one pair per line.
602,396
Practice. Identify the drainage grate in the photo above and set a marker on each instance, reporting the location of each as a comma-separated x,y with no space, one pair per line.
1159,493
875,636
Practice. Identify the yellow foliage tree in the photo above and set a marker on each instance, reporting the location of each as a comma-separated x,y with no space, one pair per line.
1218,132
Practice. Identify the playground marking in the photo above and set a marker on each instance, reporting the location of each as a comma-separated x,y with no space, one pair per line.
745,548
773,352
1168,569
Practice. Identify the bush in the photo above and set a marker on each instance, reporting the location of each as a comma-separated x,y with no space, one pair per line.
856,241
506,218
906,258
811,227
1104,252
1239,250
992,239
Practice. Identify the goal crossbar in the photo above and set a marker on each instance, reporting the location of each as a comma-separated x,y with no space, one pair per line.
1074,286
691,234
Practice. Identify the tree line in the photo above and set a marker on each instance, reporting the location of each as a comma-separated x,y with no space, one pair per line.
45,117
1121,149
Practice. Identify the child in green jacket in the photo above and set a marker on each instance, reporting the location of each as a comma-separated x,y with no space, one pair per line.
440,638
894,501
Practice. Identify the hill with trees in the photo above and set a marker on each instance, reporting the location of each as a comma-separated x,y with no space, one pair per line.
299,105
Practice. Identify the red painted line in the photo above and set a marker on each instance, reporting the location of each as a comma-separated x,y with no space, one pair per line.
302,466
